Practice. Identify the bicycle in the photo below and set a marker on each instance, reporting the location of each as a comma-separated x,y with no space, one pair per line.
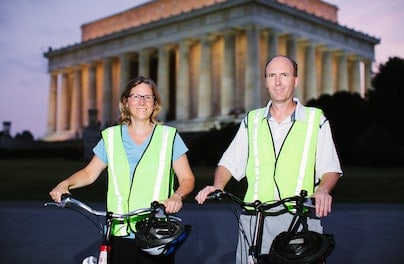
292,246
157,233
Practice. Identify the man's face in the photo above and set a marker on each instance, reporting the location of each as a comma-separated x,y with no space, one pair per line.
279,79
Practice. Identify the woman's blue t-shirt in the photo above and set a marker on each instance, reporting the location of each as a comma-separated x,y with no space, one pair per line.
134,151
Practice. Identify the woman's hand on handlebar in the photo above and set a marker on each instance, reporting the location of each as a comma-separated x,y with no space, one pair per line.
203,194
173,204
56,193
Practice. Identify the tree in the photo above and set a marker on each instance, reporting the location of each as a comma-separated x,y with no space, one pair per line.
349,118
368,131
387,96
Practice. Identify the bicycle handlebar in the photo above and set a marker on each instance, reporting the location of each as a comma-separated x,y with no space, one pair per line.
258,205
156,208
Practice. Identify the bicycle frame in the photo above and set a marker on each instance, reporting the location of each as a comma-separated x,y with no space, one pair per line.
301,206
67,201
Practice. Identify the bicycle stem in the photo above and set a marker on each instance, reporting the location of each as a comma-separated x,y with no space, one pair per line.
258,234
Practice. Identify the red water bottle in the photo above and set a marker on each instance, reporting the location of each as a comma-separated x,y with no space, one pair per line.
104,253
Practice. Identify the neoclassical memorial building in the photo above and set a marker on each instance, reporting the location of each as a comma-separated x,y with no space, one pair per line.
207,57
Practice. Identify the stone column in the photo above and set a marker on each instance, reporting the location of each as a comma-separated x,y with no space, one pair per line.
182,110
356,77
327,84
124,74
205,79
99,90
163,79
310,73
273,42
92,87
292,47
368,74
123,79
107,93
228,73
291,50
342,72
84,95
63,114
253,71
52,108
75,117
116,90
144,62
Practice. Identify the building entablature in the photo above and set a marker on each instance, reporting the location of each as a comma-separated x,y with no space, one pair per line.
229,14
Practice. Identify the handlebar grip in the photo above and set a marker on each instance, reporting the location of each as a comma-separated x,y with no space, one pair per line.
215,195
310,202
65,196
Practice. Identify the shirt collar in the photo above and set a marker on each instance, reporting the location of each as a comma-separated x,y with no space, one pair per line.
299,114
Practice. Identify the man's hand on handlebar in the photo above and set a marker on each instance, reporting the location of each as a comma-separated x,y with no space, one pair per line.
203,194
173,204
323,202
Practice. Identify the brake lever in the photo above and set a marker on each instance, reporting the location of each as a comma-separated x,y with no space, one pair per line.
310,202
64,198
216,195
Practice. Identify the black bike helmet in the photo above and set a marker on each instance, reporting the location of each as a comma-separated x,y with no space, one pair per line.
305,247
161,236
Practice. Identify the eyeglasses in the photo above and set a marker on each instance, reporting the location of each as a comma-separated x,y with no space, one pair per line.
137,97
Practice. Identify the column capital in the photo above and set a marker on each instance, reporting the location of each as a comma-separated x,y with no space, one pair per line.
188,41
229,31
128,55
166,46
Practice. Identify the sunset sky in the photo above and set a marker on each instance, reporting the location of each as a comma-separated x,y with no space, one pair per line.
28,28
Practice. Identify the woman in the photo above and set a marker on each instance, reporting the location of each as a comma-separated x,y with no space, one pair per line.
141,156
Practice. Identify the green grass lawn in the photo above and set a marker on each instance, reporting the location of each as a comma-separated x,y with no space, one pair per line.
32,179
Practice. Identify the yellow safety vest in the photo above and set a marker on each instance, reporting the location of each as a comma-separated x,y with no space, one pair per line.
153,178
293,169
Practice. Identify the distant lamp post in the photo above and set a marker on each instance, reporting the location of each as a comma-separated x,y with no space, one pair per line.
6,129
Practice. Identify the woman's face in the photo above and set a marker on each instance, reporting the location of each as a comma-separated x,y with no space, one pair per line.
141,102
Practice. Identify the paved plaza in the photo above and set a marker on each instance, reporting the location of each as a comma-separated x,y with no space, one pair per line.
32,233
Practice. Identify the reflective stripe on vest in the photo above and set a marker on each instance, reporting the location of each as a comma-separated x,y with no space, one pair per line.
152,179
265,170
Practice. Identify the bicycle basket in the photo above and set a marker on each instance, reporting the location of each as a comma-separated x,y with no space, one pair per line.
306,247
161,237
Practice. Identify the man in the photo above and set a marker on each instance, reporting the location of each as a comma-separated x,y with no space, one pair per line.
282,149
